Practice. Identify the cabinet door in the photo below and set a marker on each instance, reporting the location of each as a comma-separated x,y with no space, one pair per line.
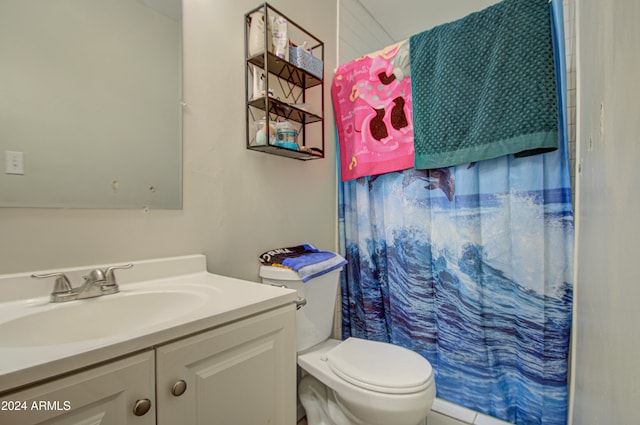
103,395
240,374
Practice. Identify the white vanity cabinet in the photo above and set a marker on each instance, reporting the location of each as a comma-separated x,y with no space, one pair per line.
103,395
242,373
239,373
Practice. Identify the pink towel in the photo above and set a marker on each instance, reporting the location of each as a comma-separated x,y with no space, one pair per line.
372,103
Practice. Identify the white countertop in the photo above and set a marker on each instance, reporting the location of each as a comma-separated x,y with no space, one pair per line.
229,299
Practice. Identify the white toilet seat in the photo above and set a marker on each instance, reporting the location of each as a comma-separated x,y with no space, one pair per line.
379,367
362,387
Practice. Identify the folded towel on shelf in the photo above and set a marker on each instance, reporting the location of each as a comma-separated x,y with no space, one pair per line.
484,86
305,259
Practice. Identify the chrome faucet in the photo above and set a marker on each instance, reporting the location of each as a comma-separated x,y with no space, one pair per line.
99,282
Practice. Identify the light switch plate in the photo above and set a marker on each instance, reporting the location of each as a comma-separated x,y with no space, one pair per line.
14,162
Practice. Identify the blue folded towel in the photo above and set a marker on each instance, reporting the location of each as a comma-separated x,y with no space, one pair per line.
305,259
484,86
318,269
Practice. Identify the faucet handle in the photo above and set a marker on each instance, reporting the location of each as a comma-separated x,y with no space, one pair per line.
94,276
109,273
61,284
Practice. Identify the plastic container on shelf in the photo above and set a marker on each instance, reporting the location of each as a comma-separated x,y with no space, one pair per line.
256,34
304,59
286,135
265,134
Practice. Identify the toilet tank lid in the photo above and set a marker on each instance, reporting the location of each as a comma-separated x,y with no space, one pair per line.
278,273
281,273
380,366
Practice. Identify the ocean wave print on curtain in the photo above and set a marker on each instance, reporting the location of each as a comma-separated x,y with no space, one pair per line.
480,285
472,267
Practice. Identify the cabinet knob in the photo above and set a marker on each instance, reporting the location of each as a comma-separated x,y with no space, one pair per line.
179,388
141,406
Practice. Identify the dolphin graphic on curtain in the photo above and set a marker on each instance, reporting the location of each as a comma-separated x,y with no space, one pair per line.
472,267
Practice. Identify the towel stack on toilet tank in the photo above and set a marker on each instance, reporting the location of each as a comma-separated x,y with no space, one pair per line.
307,260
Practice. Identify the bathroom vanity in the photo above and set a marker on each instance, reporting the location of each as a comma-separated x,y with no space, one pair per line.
176,345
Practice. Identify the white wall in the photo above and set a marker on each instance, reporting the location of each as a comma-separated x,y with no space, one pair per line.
237,203
607,373
359,32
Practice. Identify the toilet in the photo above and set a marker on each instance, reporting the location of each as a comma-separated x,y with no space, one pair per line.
356,381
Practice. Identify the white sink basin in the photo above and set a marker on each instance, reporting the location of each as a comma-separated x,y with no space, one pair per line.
97,317
160,300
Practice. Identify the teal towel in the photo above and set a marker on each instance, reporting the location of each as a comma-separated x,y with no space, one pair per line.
484,86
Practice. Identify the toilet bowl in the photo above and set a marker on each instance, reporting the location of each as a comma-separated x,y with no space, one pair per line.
356,381
366,382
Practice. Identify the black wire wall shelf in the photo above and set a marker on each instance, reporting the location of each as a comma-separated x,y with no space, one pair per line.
289,93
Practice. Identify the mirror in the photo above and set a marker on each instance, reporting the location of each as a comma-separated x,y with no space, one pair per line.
90,103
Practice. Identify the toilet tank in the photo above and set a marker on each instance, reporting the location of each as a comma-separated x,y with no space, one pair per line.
313,321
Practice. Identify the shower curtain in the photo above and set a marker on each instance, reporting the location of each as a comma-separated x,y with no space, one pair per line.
472,267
